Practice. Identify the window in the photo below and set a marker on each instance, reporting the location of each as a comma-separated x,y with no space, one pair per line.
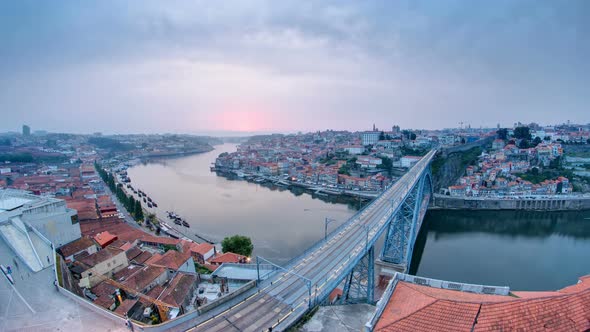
74,219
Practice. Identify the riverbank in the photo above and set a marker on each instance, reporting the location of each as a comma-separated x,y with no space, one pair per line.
558,203
176,154
315,190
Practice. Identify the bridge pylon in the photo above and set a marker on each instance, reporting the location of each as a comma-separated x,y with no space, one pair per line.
406,223
359,285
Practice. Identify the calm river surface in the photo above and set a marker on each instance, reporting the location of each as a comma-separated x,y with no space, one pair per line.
523,250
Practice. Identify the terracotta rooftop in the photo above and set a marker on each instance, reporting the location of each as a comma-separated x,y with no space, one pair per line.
172,259
123,308
178,289
140,280
142,258
228,257
132,253
415,307
104,238
75,247
100,256
201,248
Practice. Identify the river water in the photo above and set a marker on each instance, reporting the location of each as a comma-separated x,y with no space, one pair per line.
527,251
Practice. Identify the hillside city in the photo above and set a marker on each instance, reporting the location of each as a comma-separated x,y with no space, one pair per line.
113,251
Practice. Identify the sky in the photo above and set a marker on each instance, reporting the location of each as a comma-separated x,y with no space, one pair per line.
196,66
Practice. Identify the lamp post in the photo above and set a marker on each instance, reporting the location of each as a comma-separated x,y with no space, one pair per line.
327,221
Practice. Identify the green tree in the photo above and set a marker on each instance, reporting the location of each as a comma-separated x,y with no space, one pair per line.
412,136
588,141
537,141
386,164
138,211
524,144
502,133
238,244
522,133
382,136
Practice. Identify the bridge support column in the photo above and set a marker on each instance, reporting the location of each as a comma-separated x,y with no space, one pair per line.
360,283
405,225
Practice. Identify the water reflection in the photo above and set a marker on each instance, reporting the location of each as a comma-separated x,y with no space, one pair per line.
525,250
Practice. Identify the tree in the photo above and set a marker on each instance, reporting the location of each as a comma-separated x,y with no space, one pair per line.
138,211
462,140
412,136
537,141
535,171
382,136
386,164
547,138
524,144
588,141
238,244
522,133
502,133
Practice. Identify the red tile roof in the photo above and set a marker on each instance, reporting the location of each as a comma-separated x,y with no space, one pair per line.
172,259
105,238
123,308
179,288
422,308
76,246
201,248
228,257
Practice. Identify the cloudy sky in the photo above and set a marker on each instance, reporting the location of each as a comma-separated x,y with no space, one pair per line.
216,66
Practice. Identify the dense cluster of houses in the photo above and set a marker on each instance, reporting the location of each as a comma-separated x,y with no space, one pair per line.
497,173
316,158
133,273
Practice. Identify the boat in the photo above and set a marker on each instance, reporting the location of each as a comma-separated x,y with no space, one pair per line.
150,205
176,221
144,200
185,224
155,205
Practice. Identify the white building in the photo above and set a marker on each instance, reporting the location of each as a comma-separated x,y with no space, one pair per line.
409,161
29,224
355,149
370,137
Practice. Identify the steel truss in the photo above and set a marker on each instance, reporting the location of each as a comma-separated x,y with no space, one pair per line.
360,283
405,224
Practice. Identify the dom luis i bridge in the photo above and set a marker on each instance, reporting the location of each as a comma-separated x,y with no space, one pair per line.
346,255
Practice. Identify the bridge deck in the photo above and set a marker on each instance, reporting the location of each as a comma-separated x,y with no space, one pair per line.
285,296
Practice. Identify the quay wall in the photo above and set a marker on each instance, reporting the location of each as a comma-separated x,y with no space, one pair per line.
442,202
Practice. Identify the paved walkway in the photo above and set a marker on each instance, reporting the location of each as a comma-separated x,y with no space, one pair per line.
33,304
339,318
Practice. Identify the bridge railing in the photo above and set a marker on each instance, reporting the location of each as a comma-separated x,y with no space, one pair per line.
333,233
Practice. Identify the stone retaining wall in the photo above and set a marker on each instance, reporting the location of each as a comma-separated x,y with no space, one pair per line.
540,204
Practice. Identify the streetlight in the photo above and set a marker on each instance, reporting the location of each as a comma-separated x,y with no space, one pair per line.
327,221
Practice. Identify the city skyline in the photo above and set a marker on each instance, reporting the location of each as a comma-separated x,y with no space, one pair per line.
286,67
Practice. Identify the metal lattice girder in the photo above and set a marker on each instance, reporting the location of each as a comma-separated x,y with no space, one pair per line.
405,224
360,283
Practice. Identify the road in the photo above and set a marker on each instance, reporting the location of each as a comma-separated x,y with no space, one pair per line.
283,298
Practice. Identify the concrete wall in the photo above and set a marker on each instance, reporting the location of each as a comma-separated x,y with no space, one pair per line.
540,204
106,267
56,225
